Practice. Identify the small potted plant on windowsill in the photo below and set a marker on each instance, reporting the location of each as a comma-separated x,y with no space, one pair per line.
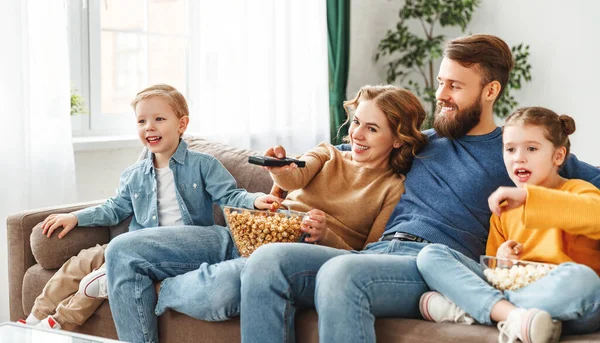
77,108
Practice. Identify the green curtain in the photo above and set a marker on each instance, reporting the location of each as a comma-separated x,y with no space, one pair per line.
338,29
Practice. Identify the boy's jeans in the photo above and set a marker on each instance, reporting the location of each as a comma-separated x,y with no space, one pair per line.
570,292
348,289
189,260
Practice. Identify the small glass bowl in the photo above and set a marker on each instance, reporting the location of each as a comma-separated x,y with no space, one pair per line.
252,228
505,274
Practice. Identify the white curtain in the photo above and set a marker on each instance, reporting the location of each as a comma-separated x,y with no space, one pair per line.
259,73
36,152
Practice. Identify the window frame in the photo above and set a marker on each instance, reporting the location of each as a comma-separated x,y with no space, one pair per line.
85,68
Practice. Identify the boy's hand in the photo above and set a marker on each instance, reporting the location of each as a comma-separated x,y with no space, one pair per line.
315,225
67,220
267,202
510,250
514,197
278,152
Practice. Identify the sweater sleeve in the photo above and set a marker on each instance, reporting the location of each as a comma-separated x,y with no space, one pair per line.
300,177
496,236
576,212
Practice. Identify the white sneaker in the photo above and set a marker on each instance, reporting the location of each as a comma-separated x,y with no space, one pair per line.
48,323
94,285
529,326
437,308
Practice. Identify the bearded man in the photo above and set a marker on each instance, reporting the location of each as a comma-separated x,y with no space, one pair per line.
445,202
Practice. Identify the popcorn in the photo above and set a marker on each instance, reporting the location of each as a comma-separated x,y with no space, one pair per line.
519,275
251,229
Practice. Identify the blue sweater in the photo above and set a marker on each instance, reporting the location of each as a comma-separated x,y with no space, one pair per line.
448,186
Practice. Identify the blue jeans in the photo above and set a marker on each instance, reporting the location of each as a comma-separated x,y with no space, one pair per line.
349,289
199,268
570,292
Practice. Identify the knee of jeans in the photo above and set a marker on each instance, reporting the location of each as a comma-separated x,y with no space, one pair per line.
426,259
263,260
577,278
336,273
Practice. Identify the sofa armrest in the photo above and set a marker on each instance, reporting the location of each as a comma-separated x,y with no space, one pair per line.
20,256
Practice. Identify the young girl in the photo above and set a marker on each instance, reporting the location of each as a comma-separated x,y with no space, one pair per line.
156,191
546,218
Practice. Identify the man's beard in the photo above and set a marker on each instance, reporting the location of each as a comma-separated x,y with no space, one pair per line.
457,125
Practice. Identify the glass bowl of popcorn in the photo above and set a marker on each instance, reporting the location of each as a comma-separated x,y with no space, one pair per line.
252,228
505,274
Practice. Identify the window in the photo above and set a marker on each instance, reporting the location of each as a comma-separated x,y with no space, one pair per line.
120,47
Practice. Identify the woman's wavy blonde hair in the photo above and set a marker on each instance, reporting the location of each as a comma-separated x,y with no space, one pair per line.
404,114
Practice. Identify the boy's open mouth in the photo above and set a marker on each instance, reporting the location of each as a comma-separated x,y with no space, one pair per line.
153,140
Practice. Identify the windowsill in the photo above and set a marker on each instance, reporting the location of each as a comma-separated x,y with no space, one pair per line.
91,143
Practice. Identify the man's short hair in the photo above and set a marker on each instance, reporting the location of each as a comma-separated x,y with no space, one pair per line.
488,53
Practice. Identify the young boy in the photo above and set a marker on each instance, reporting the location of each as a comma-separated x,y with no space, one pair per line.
173,186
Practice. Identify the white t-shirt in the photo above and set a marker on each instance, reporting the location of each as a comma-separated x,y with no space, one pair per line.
168,209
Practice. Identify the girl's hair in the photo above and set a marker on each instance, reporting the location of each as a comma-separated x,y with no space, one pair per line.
557,128
404,114
175,99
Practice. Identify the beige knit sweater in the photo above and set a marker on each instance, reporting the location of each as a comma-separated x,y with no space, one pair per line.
358,201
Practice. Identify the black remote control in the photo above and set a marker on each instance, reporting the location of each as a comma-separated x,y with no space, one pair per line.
275,162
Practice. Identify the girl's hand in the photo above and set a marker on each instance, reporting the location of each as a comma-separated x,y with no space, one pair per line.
267,202
278,152
315,224
67,220
510,250
514,197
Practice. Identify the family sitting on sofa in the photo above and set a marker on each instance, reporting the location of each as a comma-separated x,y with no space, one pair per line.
398,219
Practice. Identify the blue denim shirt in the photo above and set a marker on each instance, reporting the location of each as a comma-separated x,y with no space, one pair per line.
200,180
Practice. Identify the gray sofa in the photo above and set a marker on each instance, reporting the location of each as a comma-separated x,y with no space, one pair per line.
33,259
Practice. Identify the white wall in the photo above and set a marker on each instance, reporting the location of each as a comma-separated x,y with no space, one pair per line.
563,53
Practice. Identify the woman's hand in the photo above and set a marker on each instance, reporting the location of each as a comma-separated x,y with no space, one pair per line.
510,250
267,202
278,152
315,224
67,220
514,197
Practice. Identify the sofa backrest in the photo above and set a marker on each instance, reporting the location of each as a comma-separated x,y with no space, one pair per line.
248,176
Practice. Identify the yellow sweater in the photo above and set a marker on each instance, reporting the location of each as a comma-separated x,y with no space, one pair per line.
554,226
358,201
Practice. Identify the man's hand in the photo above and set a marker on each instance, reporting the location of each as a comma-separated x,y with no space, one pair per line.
510,250
67,220
315,224
514,197
267,202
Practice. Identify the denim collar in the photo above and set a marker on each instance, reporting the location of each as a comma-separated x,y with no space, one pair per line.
178,156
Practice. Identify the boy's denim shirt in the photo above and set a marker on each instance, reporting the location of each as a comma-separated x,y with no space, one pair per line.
200,180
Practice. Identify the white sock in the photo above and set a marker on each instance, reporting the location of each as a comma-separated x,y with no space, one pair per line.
32,320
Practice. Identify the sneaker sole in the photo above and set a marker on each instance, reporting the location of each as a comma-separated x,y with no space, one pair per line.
544,317
424,305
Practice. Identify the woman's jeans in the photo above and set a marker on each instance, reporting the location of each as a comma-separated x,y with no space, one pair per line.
570,292
349,289
199,268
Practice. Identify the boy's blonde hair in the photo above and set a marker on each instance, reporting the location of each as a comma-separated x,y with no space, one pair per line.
175,99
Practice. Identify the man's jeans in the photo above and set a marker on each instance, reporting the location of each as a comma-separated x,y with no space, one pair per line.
189,260
349,289
570,292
